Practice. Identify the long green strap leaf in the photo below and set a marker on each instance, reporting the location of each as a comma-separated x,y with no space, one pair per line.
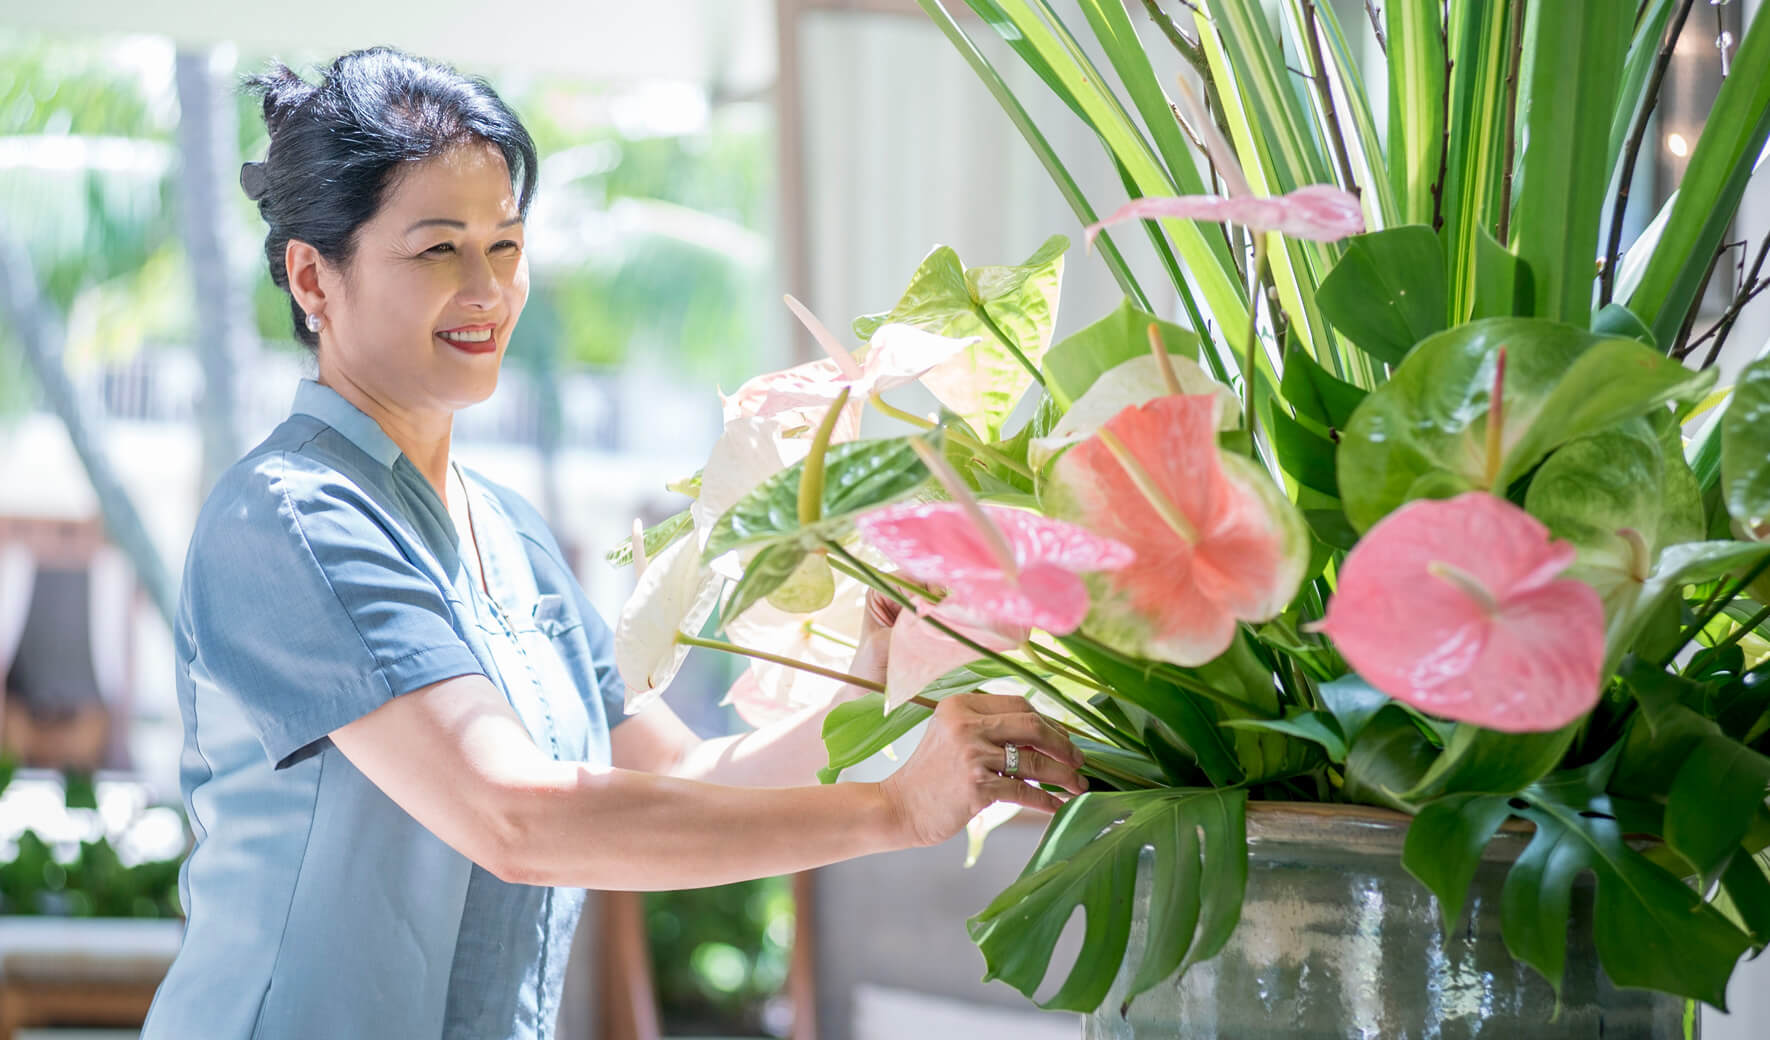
1060,175
1416,104
1480,56
1573,55
1218,284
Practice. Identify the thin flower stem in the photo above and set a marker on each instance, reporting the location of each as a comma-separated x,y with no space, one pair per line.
1253,343
964,440
1059,663
1517,46
1174,675
1002,337
1713,610
1745,628
762,655
921,590
1038,682
888,409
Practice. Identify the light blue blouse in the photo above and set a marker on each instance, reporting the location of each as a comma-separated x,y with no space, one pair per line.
322,580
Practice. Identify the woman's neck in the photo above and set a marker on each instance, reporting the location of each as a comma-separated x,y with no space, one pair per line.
422,436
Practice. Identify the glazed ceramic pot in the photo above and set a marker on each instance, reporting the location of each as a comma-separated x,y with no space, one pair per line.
1337,942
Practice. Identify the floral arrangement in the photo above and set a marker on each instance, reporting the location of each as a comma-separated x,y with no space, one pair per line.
1419,508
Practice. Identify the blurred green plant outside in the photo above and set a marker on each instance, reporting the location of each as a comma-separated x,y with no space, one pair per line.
95,883
654,240
718,954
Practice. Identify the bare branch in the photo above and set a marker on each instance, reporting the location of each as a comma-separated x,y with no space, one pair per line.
1189,49
1650,100
1325,97
1370,8
1510,159
1749,288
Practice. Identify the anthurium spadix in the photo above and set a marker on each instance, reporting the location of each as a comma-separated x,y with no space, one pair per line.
1458,607
1216,540
675,594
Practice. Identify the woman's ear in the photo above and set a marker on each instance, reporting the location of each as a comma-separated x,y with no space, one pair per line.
303,263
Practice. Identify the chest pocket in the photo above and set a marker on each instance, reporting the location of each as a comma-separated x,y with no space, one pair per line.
525,629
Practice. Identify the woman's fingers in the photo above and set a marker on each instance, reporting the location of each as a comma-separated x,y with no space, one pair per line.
1006,790
1031,728
1035,765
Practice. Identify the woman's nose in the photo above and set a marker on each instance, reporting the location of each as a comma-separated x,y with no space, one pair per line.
479,285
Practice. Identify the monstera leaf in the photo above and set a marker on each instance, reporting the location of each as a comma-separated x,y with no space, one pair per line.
1089,859
1424,434
1010,308
1652,930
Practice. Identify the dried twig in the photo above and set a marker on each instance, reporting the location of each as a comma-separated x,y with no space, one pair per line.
1511,122
1680,345
1189,49
1749,288
1370,8
1326,97
1607,277
1444,139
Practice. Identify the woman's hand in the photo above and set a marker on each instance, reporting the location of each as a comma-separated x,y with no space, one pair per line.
874,649
957,770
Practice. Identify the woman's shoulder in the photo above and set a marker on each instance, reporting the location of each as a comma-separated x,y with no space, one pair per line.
278,487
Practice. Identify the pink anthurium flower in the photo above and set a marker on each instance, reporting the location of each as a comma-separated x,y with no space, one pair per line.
1216,540
1457,607
897,355
1015,568
1318,212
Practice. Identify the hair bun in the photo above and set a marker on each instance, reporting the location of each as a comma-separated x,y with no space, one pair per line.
254,180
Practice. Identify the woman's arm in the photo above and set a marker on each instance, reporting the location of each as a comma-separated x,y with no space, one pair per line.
456,757
789,751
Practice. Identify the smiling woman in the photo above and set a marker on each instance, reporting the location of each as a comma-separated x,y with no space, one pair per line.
401,754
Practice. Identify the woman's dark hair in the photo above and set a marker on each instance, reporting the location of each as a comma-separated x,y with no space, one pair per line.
336,148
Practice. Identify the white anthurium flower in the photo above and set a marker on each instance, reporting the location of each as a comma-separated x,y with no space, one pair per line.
1136,381
751,450
674,594
978,829
826,638
897,355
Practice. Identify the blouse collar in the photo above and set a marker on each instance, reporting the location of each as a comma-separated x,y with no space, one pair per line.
330,407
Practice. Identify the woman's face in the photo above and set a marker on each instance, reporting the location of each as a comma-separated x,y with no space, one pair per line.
444,255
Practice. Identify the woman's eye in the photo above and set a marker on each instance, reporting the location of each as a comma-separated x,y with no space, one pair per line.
511,245
444,245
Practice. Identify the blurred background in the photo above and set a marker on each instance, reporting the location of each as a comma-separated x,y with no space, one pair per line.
698,159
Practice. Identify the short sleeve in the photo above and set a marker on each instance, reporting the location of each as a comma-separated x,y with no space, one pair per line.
304,609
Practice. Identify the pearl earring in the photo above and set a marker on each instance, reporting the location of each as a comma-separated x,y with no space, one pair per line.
314,321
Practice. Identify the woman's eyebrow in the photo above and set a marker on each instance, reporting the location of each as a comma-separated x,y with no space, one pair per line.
445,222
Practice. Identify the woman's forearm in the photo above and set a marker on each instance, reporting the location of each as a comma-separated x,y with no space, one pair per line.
580,826
785,753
